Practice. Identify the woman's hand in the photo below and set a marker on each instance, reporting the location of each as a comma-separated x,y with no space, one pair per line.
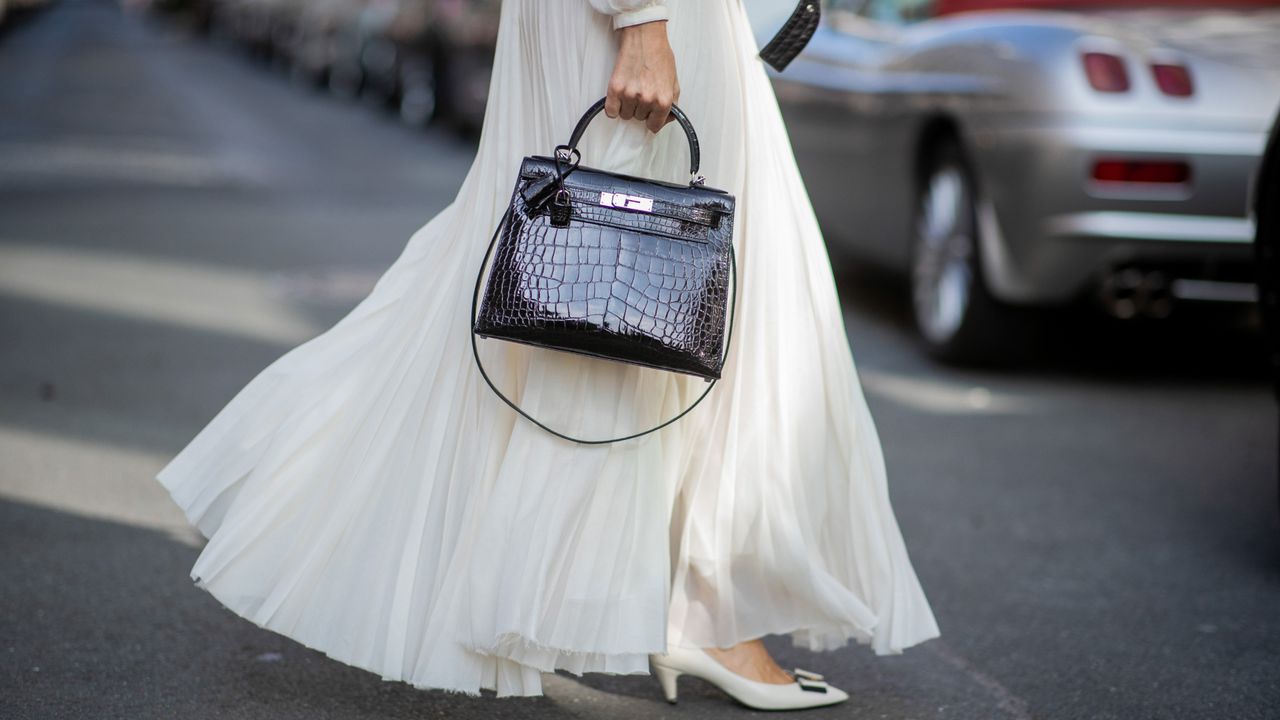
644,84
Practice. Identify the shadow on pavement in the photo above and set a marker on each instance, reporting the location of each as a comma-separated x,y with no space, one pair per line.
101,620
1198,344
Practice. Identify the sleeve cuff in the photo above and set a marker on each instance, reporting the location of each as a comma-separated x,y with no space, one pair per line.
653,13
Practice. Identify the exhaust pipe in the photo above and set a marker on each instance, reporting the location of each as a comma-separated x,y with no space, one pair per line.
1130,293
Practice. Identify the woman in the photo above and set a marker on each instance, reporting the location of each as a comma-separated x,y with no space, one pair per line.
367,496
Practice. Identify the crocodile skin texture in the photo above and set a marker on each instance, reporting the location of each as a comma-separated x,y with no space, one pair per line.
644,286
794,35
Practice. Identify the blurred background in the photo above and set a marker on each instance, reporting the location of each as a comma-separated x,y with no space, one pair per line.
1048,222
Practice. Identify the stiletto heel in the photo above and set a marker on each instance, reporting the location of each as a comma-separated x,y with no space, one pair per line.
667,679
808,690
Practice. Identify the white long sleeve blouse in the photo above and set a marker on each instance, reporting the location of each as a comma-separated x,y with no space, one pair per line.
631,12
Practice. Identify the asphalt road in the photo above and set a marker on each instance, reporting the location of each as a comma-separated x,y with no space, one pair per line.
1096,527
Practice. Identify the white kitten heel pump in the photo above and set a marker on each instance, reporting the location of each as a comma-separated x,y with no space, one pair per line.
808,691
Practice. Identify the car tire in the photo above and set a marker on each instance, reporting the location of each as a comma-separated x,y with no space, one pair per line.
346,79
419,91
956,317
303,71
380,64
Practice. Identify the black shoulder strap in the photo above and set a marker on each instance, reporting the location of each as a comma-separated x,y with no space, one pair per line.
475,350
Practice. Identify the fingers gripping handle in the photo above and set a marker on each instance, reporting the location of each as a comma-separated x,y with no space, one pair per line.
695,154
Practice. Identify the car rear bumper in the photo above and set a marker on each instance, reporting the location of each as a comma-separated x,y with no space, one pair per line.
1050,232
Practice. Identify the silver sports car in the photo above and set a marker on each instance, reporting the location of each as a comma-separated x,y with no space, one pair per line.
1001,155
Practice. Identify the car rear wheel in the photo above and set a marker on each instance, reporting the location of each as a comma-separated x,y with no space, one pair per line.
418,91
346,79
956,317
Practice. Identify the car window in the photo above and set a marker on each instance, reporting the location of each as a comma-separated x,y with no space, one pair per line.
889,12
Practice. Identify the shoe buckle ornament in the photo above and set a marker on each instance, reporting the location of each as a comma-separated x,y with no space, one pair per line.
809,681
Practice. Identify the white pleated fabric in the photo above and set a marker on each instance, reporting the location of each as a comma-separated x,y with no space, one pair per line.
367,495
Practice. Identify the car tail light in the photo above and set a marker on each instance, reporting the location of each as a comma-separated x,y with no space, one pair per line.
1106,72
1149,172
1173,79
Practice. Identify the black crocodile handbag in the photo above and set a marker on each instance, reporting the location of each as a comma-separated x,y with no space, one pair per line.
793,36
613,266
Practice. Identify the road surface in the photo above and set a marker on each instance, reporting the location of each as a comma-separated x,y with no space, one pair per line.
1096,528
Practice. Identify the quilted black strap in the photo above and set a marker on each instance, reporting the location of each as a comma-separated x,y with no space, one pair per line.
475,350
793,36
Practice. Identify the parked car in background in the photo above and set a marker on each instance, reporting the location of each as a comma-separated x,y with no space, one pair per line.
318,34
365,52
1027,153
431,58
383,59
11,7
247,22
1266,207
423,58
282,18
460,53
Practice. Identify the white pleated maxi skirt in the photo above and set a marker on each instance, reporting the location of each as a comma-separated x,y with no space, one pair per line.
367,495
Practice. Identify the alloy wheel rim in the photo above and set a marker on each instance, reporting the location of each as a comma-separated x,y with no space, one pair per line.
418,103
942,270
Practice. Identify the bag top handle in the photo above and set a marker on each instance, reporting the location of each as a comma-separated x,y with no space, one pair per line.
695,155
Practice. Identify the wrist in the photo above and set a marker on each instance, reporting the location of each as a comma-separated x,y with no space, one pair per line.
653,12
643,33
